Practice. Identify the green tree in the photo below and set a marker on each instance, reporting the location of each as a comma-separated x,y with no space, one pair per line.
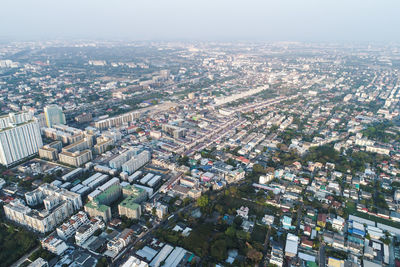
102,262
203,201
231,231
219,250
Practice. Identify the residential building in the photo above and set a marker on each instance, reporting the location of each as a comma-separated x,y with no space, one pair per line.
59,204
102,197
68,229
50,151
243,212
54,115
39,262
135,262
291,245
87,230
19,137
129,208
54,245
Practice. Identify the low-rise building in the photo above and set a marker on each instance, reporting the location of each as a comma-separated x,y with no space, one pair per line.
54,245
85,231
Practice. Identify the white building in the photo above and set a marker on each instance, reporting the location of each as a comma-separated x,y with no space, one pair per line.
39,262
136,162
54,115
85,231
268,219
68,229
19,137
54,245
59,204
291,245
134,262
243,212
161,210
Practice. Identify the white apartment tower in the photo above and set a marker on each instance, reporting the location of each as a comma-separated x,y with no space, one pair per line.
54,115
19,137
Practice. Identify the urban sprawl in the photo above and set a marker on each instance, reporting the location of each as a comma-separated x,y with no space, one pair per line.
199,154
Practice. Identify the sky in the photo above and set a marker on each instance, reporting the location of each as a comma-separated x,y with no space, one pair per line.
202,20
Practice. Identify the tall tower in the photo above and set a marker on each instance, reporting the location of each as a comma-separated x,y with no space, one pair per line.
19,137
54,115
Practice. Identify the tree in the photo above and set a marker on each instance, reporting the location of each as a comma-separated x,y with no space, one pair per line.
231,231
102,262
219,250
254,255
242,235
258,168
203,201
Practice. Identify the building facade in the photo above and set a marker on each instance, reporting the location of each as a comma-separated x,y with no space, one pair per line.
54,115
19,138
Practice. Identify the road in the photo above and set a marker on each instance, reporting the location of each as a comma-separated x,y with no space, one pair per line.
321,253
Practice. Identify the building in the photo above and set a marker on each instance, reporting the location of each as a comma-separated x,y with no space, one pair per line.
175,257
129,208
276,255
136,162
77,158
54,115
58,203
174,131
268,219
39,262
117,121
135,262
77,153
68,229
161,210
103,144
87,230
19,137
139,194
54,245
84,117
116,163
243,212
63,133
102,197
291,245
50,151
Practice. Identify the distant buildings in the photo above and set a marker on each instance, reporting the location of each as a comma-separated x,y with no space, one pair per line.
131,160
54,115
116,121
19,137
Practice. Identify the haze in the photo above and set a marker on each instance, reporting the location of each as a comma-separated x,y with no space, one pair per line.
283,20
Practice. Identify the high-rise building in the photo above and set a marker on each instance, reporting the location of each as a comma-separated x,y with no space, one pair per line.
54,115
19,137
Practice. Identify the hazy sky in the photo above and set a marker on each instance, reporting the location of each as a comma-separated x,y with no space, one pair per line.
275,20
